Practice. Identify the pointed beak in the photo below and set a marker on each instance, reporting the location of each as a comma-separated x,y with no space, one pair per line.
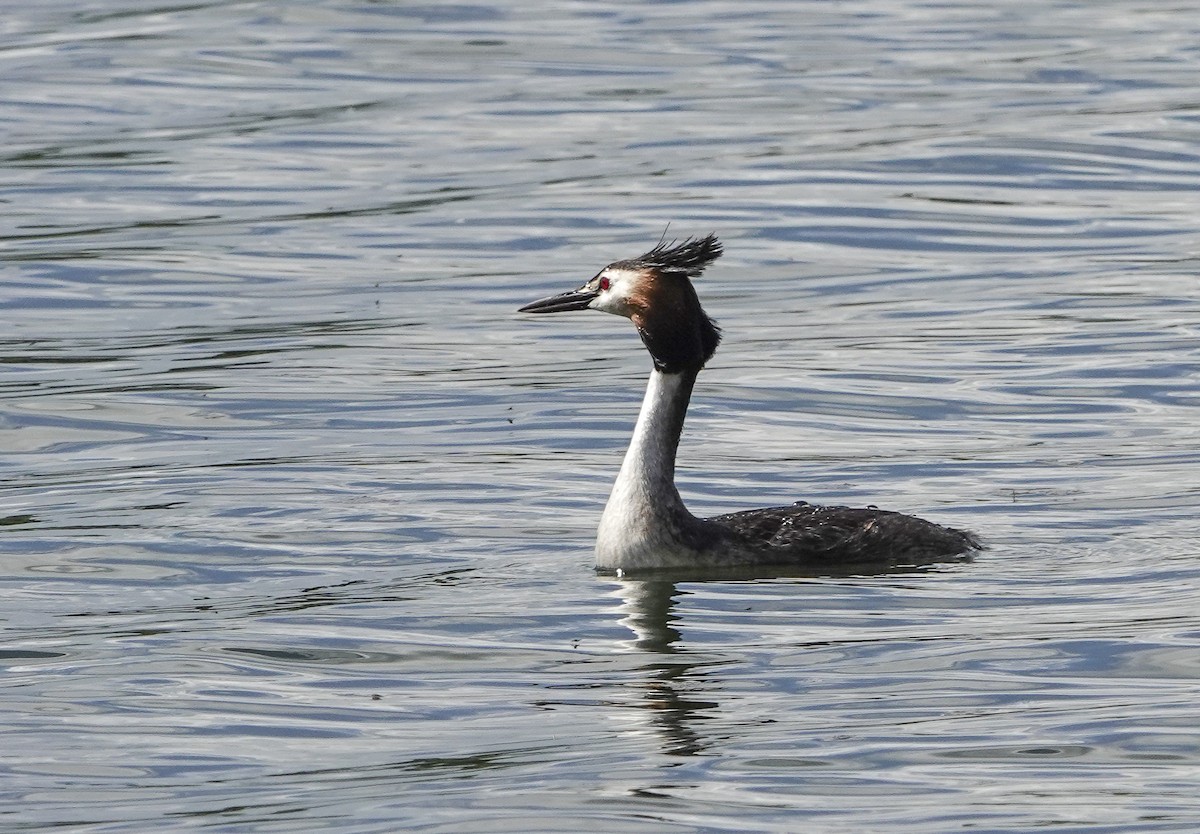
561,303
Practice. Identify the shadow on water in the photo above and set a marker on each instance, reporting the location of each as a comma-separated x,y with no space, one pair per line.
676,678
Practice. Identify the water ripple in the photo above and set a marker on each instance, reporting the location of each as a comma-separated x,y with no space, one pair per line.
298,512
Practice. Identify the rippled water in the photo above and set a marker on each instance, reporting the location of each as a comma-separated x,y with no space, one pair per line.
297,512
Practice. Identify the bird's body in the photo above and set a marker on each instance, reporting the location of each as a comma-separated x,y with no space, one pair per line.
645,524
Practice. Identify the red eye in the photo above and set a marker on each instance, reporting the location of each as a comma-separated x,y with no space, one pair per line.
604,284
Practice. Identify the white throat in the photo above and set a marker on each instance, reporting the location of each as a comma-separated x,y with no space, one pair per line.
640,524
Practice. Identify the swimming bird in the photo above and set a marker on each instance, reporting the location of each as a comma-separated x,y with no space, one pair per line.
645,524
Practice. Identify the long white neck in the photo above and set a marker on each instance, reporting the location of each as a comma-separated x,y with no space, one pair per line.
643,520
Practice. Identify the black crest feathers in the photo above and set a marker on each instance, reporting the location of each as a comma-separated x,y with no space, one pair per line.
689,257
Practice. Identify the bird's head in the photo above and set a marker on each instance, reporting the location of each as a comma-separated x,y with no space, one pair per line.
655,292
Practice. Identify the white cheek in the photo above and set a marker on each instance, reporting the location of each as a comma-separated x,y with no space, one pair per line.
615,299
611,301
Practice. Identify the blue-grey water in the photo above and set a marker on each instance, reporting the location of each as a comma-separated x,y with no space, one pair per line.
297,512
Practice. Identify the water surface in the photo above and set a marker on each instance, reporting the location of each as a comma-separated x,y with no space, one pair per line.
297,512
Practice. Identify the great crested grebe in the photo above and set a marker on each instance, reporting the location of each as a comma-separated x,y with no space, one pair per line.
645,524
